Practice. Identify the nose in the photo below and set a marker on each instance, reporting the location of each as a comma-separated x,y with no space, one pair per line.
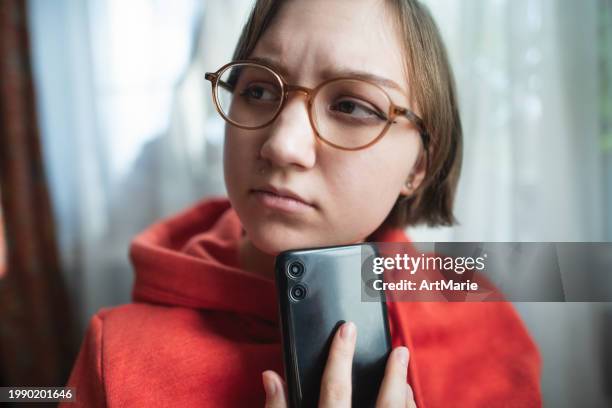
291,139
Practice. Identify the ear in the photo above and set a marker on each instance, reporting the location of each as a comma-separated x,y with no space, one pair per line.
416,177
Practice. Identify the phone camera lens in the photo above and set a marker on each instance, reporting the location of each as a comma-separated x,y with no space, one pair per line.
298,292
295,269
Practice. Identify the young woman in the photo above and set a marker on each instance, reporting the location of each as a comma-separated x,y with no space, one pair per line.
342,127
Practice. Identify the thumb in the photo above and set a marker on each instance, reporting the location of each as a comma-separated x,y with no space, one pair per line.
410,397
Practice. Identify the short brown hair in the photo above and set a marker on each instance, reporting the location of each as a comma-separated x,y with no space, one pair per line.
433,92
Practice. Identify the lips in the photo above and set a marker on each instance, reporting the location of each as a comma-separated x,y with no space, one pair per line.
284,192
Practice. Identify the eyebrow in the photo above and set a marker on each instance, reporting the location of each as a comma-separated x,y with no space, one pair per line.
333,73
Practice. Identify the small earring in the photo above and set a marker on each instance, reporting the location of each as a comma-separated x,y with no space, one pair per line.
410,193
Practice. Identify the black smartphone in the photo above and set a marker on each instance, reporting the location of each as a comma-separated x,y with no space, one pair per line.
318,290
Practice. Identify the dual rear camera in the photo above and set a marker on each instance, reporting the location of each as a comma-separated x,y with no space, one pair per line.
298,292
295,270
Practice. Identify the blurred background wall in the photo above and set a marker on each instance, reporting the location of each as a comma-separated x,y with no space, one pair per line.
128,135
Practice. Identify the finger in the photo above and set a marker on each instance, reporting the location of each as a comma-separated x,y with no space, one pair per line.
392,391
336,381
410,397
275,390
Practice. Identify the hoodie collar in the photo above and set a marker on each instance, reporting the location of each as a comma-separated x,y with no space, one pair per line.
191,260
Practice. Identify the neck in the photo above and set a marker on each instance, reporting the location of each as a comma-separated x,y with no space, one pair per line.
254,260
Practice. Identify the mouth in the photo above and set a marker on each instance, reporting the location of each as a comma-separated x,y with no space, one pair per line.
282,199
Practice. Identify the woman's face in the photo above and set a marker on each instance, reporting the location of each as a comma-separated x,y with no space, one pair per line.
350,192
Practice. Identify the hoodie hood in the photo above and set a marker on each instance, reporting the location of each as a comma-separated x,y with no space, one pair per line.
191,260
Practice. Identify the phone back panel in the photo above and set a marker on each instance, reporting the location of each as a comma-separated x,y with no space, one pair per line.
332,277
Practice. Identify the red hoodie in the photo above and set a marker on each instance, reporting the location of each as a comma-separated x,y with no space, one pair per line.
201,330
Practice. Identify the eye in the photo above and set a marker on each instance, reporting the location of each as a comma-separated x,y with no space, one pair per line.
260,92
354,109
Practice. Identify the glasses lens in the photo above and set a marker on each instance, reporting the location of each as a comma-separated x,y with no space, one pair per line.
249,95
350,113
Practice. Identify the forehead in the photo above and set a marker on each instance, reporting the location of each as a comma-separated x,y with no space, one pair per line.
313,39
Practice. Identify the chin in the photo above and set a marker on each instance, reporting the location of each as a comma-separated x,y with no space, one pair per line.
275,243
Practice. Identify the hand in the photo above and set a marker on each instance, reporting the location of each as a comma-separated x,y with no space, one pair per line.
336,381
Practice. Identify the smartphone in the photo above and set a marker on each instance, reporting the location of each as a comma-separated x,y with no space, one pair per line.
318,290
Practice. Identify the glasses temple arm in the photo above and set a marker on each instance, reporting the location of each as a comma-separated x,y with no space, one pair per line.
418,122
215,79
412,117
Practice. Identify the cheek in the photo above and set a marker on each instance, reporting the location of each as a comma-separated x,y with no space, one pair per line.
364,188
361,195
376,176
236,154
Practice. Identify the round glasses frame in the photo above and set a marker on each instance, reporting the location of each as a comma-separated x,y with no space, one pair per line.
394,110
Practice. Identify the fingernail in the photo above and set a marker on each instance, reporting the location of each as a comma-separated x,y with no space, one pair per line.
269,385
347,331
401,353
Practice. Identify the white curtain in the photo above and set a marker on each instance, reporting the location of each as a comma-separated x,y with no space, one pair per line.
527,78
527,74
128,131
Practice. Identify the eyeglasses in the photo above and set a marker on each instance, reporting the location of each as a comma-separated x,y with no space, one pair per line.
346,113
